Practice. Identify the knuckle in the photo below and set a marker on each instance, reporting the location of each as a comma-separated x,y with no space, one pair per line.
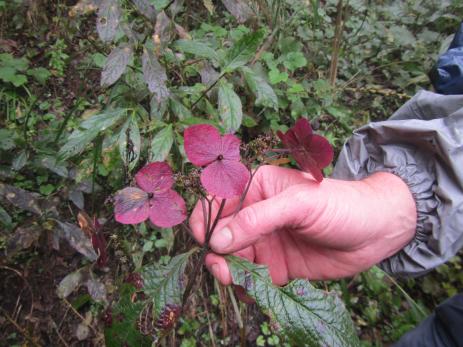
248,218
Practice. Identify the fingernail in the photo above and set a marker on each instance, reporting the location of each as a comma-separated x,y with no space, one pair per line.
222,239
215,269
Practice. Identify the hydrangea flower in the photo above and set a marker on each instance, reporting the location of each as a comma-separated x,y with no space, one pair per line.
312,152
154,199
223,174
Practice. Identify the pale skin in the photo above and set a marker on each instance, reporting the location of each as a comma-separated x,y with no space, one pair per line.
303,229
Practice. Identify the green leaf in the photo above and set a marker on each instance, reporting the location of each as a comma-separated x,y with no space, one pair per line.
20,160
275,76
108,20
131,153
40,74
116,64
265,95
123,330
179,109
154,75
294,60
243,50
196,48
90,128
230,108
166,283
306,316
9,74
5,218
162,143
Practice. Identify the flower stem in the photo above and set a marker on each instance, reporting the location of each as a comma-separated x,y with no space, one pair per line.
204,248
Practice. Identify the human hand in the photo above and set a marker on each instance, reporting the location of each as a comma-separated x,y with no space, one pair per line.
303,229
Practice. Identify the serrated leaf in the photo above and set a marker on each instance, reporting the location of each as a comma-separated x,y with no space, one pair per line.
196,48
294,60
265,95
230,108
116,64
146,9
243,50
306,316
161,144
166,283
239,9
90,128
154,75
122,329
179,109
108,20
130,133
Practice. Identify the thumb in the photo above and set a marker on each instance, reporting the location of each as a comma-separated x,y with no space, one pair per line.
286,209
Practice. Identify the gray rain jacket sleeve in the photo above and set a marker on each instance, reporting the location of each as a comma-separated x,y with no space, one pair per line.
423,144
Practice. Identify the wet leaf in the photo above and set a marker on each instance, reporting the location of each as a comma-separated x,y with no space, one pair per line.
197,48
116,64
154,75
108,20
77,239
306,316
265,95
21,198
130,143
70,283
239,9
243,50
125,317
96,289
230,108
161,144
146,9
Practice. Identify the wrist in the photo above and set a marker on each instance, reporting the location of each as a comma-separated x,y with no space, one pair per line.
393,209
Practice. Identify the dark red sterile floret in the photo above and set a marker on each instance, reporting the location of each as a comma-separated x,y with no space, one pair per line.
312,152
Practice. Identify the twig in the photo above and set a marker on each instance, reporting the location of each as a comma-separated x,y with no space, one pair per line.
21,330
207,90
79,315
243,196
336,43
58,333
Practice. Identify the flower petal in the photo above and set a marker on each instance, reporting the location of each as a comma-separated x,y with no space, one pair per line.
231,147
306,163
225,178
131,206
155,177
167,209
303,132
321,151
289,139
203,144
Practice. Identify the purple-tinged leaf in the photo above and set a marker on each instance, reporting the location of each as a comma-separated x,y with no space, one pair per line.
154,75
96,289
77,239
239,9
163,28
116,64
108,20
70,283
146,9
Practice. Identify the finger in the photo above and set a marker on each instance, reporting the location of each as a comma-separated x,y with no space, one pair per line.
217,265
287,209
268,181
